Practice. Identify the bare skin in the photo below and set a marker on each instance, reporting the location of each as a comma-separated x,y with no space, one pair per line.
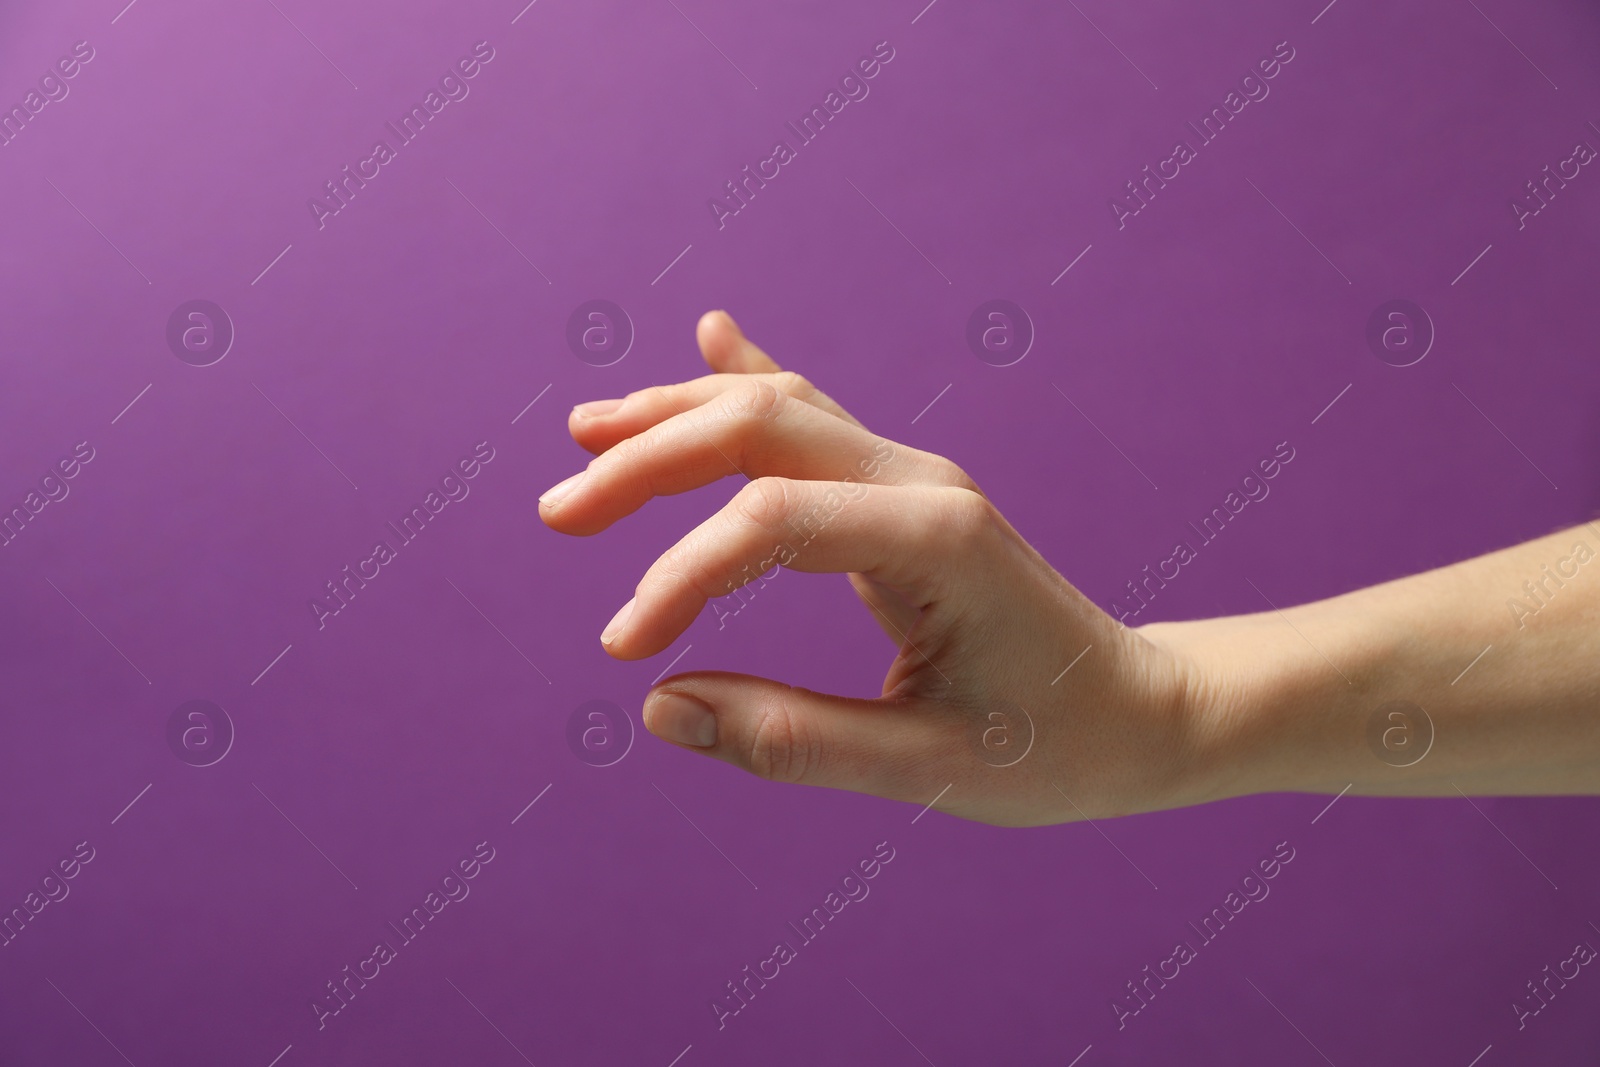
975,699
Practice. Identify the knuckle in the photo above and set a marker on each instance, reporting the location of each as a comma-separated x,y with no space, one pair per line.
630,462
756,401
951,474
781,747
795,385
765,502
969,516
679,569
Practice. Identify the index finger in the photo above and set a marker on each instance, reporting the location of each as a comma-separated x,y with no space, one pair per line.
602,425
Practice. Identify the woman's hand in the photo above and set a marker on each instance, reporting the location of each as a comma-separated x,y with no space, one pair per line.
1011,698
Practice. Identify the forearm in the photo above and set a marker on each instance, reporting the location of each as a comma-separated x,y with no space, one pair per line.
1286,701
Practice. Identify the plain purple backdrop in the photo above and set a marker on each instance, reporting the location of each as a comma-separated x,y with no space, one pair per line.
377,350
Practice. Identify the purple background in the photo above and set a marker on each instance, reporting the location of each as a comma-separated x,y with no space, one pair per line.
407,330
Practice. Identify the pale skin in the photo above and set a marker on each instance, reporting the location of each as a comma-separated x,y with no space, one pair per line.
980,625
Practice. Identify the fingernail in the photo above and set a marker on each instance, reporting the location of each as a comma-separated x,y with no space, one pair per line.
555,493
682,719
595,408
618,621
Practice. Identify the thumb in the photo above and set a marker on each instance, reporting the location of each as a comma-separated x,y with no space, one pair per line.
726,349
891,748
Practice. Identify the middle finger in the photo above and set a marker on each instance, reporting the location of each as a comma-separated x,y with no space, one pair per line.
755,430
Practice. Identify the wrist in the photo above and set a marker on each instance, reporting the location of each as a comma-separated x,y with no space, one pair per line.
1258,704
